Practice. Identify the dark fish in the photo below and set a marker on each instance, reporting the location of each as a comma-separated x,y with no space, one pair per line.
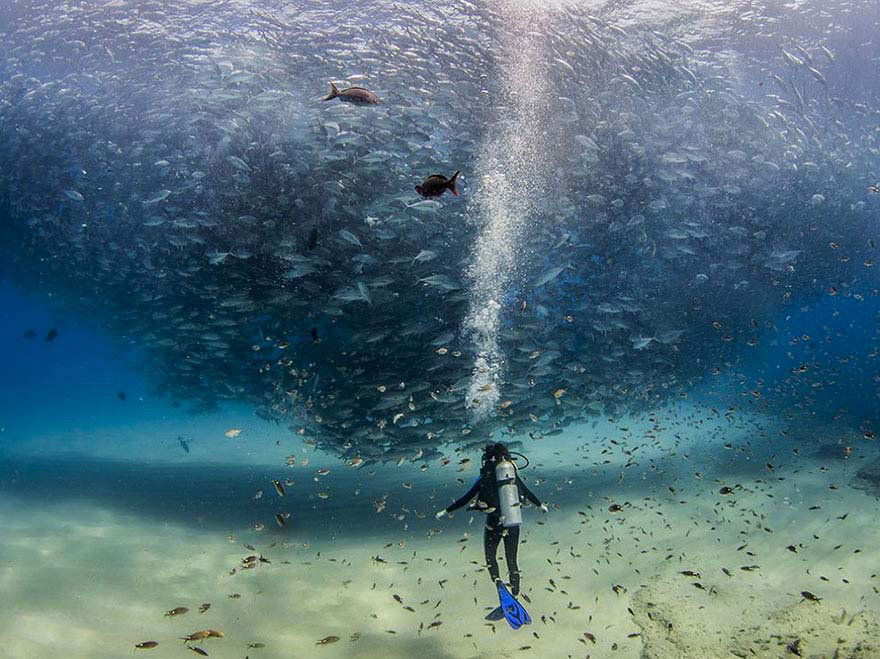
315,338
356,95
121,395
30,334
327,640
51,335
436,184
204,607
180,610
279,518
183,444
807,595
197,650
313,239
146,645
278,487
725,490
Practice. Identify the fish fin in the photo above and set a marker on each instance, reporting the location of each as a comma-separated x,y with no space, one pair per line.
452,183
334,92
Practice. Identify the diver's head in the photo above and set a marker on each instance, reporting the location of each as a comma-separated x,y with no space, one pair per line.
495,453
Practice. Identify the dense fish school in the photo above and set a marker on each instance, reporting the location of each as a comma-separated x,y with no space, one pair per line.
175,174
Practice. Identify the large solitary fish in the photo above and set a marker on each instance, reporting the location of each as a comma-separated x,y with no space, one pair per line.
436,184
356,95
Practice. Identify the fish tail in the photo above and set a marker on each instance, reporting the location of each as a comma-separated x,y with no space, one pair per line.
451,183
334,92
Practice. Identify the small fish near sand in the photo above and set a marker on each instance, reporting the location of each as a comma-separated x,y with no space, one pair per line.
146,645
180,610
436,184
327,640
201,635
356,95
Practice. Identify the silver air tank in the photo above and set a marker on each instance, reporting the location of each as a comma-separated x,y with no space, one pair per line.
508,494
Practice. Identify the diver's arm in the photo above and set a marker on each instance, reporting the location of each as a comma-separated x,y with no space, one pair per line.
471,493
527,492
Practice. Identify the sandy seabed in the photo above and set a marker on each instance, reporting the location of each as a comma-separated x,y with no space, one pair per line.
95,549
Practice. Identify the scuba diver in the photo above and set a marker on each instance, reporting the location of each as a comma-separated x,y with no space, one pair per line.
498,492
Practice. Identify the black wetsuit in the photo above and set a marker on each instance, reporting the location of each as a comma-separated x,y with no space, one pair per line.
485,492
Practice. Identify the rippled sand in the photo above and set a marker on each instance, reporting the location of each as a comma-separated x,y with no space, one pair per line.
93,552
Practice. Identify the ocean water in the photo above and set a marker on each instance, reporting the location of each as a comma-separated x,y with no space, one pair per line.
245,362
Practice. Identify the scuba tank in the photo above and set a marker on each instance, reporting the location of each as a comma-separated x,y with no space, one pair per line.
508,494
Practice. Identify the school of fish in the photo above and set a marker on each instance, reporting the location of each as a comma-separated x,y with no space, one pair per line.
193,188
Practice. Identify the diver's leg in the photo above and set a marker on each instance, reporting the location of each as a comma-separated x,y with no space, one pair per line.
511,542
491,538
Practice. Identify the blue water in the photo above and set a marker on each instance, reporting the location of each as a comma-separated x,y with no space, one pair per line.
658,283
72,381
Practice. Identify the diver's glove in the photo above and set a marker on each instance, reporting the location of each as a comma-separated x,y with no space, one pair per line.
440,513
543,507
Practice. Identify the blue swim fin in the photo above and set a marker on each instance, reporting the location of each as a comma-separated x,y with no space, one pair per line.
516,615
